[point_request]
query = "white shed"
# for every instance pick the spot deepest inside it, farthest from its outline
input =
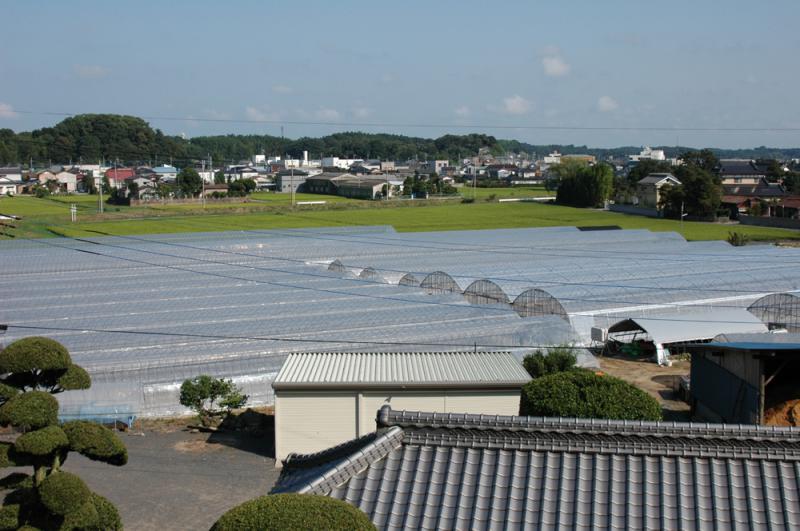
(324, 399)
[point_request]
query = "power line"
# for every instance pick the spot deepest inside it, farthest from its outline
(445, 125)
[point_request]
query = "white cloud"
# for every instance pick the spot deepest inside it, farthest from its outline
(553, 62)
(607, 104)
(7, 111)
(261, 114)
(361, 112)
(516, 105)
(282, 89)
(328, 115)
(462, 111)
(90, 71)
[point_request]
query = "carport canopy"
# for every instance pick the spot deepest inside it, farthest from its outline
(691, 325)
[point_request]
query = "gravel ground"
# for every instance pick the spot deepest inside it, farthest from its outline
(181, 480)
(657, 381)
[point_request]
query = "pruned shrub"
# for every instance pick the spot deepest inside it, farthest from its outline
(41, 442)
(74, 378)
(584, 394)
(31, 371)
(293, 511)
(558, 359)
(95, 442)
(62, 493)
(210, 397)
(30, 411)
(34, 354)
(108, 516)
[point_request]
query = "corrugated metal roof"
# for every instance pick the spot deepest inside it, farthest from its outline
(450, 471)
(407, 369)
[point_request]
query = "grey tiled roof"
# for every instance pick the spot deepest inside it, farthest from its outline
(450, 471)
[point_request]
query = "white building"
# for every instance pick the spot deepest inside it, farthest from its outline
(67, 181)
(648, 154)
(552, 158)
(336, 162)
(324, 399)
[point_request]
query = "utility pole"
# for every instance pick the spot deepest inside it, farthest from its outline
(100, 189)
(292, 184)
(203, 183)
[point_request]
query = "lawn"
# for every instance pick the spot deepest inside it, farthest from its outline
(415, 217)
(286, 199)
(503, 193)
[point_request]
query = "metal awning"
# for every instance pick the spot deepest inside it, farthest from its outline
(692, 326)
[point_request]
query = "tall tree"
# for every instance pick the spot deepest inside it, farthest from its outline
(189, 182)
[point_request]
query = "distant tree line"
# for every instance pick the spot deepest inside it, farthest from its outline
(91, 137)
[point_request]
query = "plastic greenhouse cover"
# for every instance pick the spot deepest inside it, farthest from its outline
(144, 313)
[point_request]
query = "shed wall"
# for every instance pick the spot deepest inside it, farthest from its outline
(307, 421)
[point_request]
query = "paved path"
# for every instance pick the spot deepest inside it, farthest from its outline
(180, 480)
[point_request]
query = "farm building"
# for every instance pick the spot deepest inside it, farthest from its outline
(158, 309)
(451, 471)
(742, 378)
(324, 399)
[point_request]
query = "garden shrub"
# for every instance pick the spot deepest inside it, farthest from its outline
(558, 359)
(584, 394)
(63, 493)
(95, 442)
(41, 442)
(34, 353)
(31, 410)
(280, 512)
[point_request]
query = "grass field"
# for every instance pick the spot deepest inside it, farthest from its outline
(286, 199)
(503, 193)
(46, 217)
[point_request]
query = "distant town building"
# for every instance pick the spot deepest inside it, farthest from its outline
(649, 154)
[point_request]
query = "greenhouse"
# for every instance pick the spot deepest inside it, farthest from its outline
(143, 313)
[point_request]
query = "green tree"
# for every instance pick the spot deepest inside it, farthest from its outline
(702, 193)
(583, 394)
(219, 177)
(33, 370)
(584, 186)
(211, 398)
(703, 159)
(89, 185)
(279, 512)
(189, 182)
(558, 359)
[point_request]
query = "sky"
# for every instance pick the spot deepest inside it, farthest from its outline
(601, 73)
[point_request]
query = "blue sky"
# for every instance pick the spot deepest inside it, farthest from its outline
(443, 64)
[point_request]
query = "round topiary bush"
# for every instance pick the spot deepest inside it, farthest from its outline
(584, 394)
(34, 353)
(62, 493)
(41, 442)
(108, 516)
(74, 378)
(95, 442)
(293, 511)
(30, 411)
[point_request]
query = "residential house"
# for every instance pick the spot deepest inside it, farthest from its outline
(166, 173)
(433, 166)
(117, 177)
(67, 181)
(422, 470)
(648, 189)
(10, 180)
(290, 180)
(740, 171)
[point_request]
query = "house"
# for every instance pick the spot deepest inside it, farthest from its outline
(44, 176)
(737, 378)
(324, 399)
(647, 153)
(336, 162)
(67, 181)
(166, 173)
(740, 171)
(10, 180)
(433, 166)
(117, 177)
(480, 472)
(648, 189)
